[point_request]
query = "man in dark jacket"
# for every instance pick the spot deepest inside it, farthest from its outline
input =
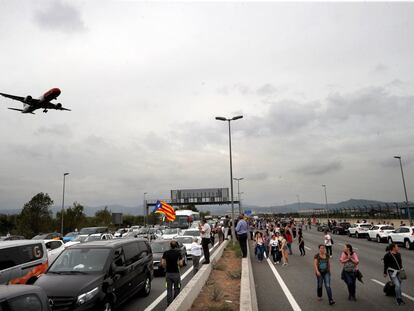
(392, 266)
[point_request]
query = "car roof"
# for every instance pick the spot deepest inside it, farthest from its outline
(115, 243)
(11, 243)
(11, 291)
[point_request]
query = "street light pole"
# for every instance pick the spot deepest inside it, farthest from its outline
(298, 202)
(146, 220)
(233, 233)
(405, 189)
(238, 192)
(326, 203)
(63, 204)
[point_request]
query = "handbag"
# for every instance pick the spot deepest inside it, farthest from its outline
(401, 272)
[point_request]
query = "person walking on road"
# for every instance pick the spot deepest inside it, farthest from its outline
(274, 248)
(393, 267)
(289, 239)
(260, 247)
(196, 251)
(172, 261)
(226, 224)
(349, 260)
(328, 243)
(284, 250)
(322, 268)
(301, 242)
(241, 231)
(205, 232)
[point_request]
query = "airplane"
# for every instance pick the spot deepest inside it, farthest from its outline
(43, 102)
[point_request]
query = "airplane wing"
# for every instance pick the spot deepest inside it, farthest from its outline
(19, 98)
(55, 106)
(15, 109)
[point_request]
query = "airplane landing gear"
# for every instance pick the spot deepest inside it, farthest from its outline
(45, 111)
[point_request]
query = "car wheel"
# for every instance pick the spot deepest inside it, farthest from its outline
(185, 260)
(407, 244)
(146, 290)
(357, 235)
(369, 238)
(389, 240)
(107, 306)
(349, 234)
(378, 239)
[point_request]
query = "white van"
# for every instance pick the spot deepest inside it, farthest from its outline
(22, 261)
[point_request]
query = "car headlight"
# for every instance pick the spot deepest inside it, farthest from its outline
(84, 298)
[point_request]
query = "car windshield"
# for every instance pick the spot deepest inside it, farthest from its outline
(192, 233)
(81, 238)
(160, 247)
(170, 231)
(80, 260)
(184, 240)
(142, 231)
(71, 234)
(366, 226)
(387, 228)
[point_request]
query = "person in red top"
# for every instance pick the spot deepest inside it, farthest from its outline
(349, 259)
(289, 240)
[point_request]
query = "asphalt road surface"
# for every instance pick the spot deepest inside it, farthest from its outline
(294, 287)
(157, 299)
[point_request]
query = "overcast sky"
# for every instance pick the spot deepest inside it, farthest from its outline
(326, 91)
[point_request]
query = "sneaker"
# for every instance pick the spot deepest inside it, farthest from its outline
(332, 302)
(277, 262)
(400, 302)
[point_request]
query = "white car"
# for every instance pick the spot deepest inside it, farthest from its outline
(54, 248)
(193, 233)
(186, 240)
(79, 239)
(402, 235)
(99, 236)
(170, 233)
(359, 229)
(121, 232)
(379, 232)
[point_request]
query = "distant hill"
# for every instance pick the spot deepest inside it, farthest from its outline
(222, 209)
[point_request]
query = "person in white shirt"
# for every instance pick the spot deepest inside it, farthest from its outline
(195, 254)
(328, 243)
(205, 231)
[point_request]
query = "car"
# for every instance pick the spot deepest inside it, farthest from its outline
(186, 240)
(152, 233)
(70, 236)
(170, 233)
(120, 232)
(47, 236)
(93, 230)
(79, 239)
(358, 229)
(22, 261)
(402, 235)
(322, 227)
(99, 236)
(193, 233)
(379, 233)
(11, 237)
(54, 248)
(341, 228)
(23, 297)
(158, 248)
(99, 275)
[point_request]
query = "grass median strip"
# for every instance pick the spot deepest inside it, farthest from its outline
(222, 290)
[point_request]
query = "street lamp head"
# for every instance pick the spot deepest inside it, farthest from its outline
(397, 157)
(237, 117)
(65, 174)
(221, 119)
(324, 186)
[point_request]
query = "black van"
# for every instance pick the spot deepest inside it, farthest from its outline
(98, 275)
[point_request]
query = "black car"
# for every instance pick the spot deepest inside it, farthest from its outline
(341, 228)
(98, 275)
(23, 297)
(323, 227)
(158, 248)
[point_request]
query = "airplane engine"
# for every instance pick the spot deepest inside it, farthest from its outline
(28, 99)
(59, 105)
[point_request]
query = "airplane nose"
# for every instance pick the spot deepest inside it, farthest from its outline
(57, 91)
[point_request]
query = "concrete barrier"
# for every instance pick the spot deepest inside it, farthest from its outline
(248, 299)
(190, 292)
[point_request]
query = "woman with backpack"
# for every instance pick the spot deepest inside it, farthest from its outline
(322, 268)
(349, 260)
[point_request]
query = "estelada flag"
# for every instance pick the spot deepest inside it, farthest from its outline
(164, 208)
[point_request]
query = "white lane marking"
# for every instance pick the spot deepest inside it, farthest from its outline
(164, 293)
(383, 284)
(308, 248)
(285, 289)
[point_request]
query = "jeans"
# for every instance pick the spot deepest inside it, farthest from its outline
(196, 263)
(243, 244)
(276, 254)
(324, 278)
(289, 245)
(397, 282)
(260, 252)
(350, 280)
(329, 250)
(205, 242)
(302, 249)
(173, 279)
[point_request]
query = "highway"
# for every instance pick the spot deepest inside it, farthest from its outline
(294, 287)
(157, 299)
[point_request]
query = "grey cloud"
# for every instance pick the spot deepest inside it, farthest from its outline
(391, 162)
(380, 68)
(60, 16)
(320, 169)
(266, 90)
(57, 129)
(260, 176)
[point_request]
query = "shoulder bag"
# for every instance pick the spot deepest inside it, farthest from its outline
(401, 272)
